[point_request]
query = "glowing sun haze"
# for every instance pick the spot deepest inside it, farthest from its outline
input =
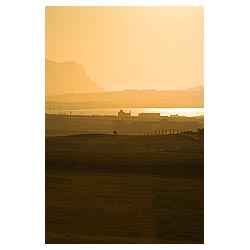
(130, 47)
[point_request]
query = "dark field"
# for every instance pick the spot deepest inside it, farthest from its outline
(124, 189)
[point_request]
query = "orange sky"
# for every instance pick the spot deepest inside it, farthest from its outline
(130, 47)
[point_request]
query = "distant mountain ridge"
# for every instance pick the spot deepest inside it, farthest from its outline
(192, 98)
(67, 77)
(67, 82)
(198, 88)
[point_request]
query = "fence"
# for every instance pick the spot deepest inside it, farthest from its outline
(174, 140)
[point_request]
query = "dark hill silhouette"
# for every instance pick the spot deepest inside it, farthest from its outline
(68, 77)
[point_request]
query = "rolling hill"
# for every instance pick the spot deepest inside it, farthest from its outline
(192, 98)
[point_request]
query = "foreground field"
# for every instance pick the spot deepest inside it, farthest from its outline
(98, 191)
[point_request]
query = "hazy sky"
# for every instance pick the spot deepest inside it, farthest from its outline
(130, 47)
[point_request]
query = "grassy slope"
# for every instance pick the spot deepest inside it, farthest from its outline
(96, 193)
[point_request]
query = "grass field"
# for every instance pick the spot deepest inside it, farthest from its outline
(122, 189)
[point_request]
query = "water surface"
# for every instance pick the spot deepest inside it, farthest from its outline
(134, 111)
